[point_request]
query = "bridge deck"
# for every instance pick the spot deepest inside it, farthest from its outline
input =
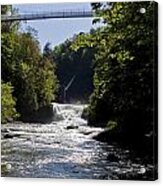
(49, 15)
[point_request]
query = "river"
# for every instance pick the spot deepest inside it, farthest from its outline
(65, 148)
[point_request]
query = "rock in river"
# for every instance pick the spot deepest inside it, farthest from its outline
(71, 127)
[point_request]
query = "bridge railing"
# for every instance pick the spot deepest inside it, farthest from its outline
(43, 15)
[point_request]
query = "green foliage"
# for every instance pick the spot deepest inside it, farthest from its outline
(111, 125)
(9, 26)
(8, 103)
(77, 64)
(47, 52)
(125, 67)
(31, 73)
(46, 79)
(7, 56)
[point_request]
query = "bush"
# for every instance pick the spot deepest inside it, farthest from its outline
(8, 103)
(111, 125)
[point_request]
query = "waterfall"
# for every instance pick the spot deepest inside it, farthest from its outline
(70, 113)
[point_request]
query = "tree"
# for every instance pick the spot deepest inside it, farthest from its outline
(47, 51)
(9, 26)
(125, 66)
(32, 75)
(8, 103)
(77, 66)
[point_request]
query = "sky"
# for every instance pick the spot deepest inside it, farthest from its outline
(56, 31)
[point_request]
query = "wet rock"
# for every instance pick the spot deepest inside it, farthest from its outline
(10, 120)
(75, 171)
(57, 142)
(108, 136)
(112, 157)
(10, 135)
(4, 168)
(4, 130)
(88, 132)
(71, 127)
(7, 133)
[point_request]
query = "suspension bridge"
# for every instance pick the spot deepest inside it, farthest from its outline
(47, 15)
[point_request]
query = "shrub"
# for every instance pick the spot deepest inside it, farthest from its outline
(111, 125)
(8, 103)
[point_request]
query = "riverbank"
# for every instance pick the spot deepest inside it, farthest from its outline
(145, 148)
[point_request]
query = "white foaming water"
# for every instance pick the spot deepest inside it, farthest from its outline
(70, 113)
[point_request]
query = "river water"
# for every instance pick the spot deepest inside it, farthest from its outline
(65, 148)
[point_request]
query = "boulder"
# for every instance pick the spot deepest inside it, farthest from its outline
(71, 127)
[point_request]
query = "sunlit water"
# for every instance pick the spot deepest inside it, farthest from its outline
(64, 149)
